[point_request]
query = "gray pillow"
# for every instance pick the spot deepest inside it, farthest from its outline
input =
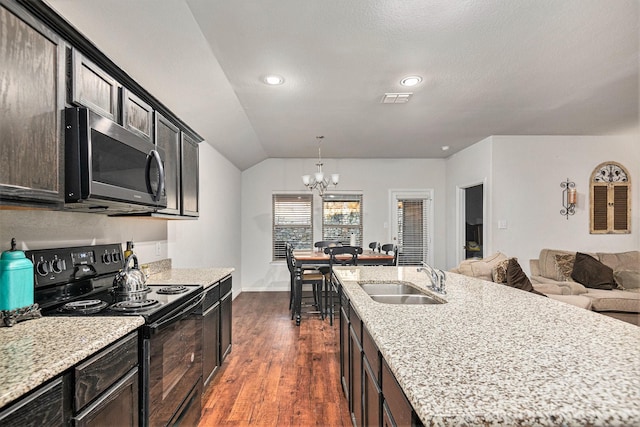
(627, 279)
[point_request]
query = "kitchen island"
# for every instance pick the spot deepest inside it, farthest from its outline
(494, 355)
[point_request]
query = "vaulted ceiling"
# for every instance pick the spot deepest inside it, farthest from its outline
(497, 67)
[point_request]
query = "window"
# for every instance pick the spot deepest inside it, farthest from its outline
(341, 216)
(412, 216)
(292, 223)
(610, 199)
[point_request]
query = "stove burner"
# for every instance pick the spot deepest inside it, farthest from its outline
(133, 305)
(84, 307)
(171, 290)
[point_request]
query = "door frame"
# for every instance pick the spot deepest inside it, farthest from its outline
(460, 218)
(426, 193)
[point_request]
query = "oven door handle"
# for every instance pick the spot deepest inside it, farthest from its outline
(179, 316)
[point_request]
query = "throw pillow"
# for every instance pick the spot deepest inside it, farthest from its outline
(499, 271)
(517, 279)
(592, 273)
(564, 265)
(627, 279)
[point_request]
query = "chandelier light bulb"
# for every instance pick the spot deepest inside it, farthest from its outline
(318, 180)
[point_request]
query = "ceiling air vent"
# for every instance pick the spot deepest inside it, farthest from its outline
(396, 98)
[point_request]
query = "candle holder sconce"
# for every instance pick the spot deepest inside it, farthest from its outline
(569, 198)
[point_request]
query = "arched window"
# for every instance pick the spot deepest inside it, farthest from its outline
(610, 199)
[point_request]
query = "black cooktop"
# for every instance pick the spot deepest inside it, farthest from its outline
(78, 281)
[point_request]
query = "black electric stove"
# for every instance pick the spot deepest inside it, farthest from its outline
(79, 281)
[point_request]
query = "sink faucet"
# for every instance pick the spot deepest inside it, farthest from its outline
(437, 277)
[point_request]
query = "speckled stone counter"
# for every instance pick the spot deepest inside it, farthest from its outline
(494, 355)
(37, 350)
(189, 276)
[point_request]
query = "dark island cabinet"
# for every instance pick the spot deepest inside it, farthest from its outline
(31, 149)
(374, 396)
(168, 138)
(189, 173)
(92, 87)
(45, 406)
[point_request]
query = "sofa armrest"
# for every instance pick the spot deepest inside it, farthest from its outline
(534, 266)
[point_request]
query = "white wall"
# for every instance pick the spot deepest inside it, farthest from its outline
(526, 193)
(466, 168)
(39, 229)
(214, 239)
(374, 178)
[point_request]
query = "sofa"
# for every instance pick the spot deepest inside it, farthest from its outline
(557, 274)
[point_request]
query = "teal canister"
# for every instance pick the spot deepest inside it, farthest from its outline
(16, 279)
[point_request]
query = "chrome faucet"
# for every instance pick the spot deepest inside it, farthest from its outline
(437, 277)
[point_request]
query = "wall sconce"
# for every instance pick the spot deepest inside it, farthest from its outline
(569, 198)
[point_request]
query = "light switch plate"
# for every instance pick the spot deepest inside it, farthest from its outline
(502, 224)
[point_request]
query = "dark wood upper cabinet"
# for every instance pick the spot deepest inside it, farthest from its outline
(168, 138)
(137, 115)
(93, 88)
(32, 83)
(189, 173)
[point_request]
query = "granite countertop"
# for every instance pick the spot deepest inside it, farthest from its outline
(189, 276)
(37, 350)
(494, 355)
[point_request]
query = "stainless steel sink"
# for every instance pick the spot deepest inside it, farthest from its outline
(396, 292)
(405, 299)
(388, 288)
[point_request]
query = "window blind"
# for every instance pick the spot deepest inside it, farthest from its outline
(413, 231)
(292, 222)
(341, 216)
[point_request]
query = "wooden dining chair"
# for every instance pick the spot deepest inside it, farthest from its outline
(336, 259)
(390, 247)
(308, 277)
(374, 245)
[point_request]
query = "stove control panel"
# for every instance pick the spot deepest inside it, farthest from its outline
(66, 265)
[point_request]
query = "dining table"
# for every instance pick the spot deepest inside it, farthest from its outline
(306, 259)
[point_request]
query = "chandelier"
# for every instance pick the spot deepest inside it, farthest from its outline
(318, 181)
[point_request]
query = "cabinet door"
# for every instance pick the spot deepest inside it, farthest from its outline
(137, 115)
(116, 407)
(93, 88)
(225, 326)
(344, 350)
(189, 173)
(399, 408)
(44, 407)
(356, 378)
(168, 138)
(32, 81)
(210, 342)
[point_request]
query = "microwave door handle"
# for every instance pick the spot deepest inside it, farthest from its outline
(154, 155)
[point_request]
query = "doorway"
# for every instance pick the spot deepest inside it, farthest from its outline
(412, 220)
(473, 206)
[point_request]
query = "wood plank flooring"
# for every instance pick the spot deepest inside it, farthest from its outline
(277, 374)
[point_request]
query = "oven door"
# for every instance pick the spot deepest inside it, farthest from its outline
(172, 364)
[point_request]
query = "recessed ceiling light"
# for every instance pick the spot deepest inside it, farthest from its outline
(411, 81)
(445, 147)
(273, 80)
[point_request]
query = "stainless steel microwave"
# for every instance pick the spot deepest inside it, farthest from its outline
(109, 169)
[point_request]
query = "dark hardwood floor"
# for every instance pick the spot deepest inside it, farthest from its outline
(277, 374)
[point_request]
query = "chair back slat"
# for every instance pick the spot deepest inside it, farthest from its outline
(333, 252)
